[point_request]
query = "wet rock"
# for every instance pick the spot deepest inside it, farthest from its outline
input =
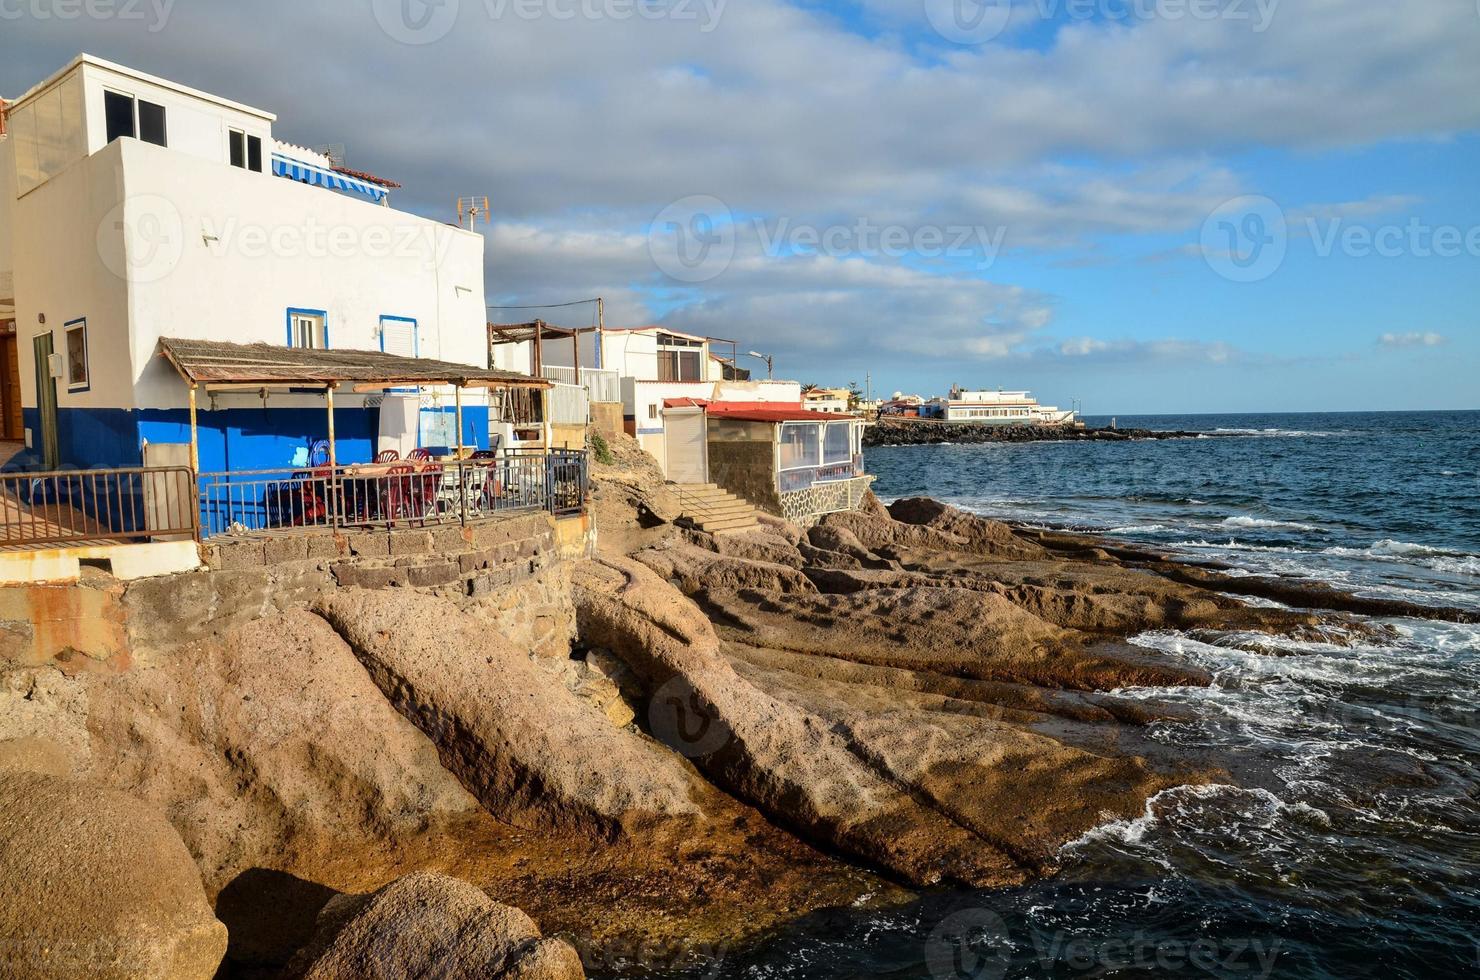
(529, 750)
(429, 925)
(98, 884)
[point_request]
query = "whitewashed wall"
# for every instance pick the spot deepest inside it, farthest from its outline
(254, 246)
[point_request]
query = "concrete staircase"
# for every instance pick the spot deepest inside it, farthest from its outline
(713, 509)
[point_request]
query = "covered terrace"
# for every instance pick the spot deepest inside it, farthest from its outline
(455, 483)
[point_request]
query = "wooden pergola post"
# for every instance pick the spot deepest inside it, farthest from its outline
(329, 400)
(194, 433)
(457, 398)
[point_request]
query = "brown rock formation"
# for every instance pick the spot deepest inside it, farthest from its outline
(429, 925)
(785, 760)
(97, 884)
(531, 752)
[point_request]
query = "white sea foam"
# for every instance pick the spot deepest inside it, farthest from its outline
(1438, 559)
(1263, 522)
(1278, 433)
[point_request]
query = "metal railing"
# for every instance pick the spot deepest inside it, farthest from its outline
(393, 495)
(801, 479)
(569, 405)
(601, 385)
(103, 505)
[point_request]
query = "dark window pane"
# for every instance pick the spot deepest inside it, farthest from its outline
(254, 153)
(151, 123)
(119, 112)
(237, 146)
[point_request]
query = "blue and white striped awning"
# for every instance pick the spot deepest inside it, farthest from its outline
(310, 173)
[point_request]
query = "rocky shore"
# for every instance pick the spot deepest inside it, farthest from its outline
(713, 737)
(916, 432)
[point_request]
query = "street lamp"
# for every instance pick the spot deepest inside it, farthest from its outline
(770, 364)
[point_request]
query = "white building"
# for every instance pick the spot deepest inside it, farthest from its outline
(995, 408)
(657, 366)
(834, 401)
(134, 208)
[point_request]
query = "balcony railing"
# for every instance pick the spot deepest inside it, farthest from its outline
(600, 385)
(393, 495)
(103, 506)
(801, 479)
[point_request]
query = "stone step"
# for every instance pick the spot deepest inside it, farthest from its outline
(707, 496)
(729, 523)
(710, 507)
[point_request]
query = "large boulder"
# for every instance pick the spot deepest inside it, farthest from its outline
(693, 569)
(97, 884)
(270, 747)
(430, 925)
(531, 751)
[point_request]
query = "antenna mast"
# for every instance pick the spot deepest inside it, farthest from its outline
(473, 208)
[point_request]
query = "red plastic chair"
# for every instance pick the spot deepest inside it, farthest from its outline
(398, 496)
(428, 483)
(389, 456)
(419, 455)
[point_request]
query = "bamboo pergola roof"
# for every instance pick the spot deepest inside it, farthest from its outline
(216, 363)
(518, 333)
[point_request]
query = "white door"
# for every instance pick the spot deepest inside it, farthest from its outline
(685, 447)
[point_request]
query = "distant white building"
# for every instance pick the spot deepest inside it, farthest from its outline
(134, 208)
(657, 366)
(994, 408)
(834, 401)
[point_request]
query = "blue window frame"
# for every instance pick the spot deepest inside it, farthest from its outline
(308, 329)
(400, 335)
(79, 372)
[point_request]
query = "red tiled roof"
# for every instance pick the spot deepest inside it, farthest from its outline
(756, 411)
(777, 415)
(368, 178)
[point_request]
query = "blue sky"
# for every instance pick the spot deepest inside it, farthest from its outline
(1048, 172)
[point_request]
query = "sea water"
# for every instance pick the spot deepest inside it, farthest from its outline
(1346, 840)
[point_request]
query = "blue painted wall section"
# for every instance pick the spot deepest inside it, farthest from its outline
(231, 439)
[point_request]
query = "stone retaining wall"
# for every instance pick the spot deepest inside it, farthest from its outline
(807, 507)
(510, 570)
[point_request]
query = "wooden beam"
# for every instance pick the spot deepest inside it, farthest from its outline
(457, 396)
(333, 453)
(194, 434)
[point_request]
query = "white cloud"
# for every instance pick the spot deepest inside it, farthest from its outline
(1398, 341)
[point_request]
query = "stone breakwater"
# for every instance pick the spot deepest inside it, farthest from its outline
(895, 432)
